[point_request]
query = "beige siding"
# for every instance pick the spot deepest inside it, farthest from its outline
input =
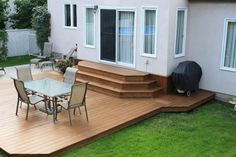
(63, 38)
(204, 43)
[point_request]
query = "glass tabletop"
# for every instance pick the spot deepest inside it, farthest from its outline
(49, 87)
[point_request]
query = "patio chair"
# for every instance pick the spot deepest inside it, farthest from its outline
(70, 75)
(2, 69)
(24, 97)
(46, 54)
(24, 73)
(77, 99)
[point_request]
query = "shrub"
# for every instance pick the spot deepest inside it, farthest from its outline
(3, 18)
(22, 17)
(233, 101)
(3, 44)
(63, 64)
(41, 24)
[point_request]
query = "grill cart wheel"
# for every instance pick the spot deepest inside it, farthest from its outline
(188, 93)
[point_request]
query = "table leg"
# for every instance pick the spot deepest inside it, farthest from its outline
(54, 101)
(56, 107)
(54, 110)
(45, 100)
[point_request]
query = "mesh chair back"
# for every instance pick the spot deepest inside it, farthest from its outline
(19, 85)
(70, 75)
(78, 93)
(24, 73)
(47, 49)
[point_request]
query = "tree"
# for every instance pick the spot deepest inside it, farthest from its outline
(3, 18)
(3, 44)
(41, 24)
(3, 33)
(22, 17)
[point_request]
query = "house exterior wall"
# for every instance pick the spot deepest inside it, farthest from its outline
(63, 38)
(172, 60)
(204, 43)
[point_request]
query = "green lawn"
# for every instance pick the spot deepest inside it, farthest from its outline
(209, 131)
(12, 61)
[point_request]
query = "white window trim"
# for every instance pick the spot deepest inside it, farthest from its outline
(85, 29)
(185, 31)
(71, 15)
(222, 62)
(121, 9)
(117, 8)
(156, 33)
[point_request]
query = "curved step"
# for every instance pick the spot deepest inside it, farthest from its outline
(115, 82)
(112, 71)
(123, 92)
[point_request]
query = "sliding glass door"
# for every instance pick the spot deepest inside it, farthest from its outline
(125, 38)
(117, 27)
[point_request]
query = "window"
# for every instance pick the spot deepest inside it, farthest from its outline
(89, 27)
(70, 15)
(229, 51)
(67, 15)
(180, 32)
(149, 32)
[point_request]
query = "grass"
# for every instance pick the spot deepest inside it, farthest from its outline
(13, 61)
(209, 131)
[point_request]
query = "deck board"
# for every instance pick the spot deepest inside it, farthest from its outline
(39, 136)
(112, 69)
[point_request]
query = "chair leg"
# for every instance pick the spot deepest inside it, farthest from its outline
(45, 104)
(52, 67)
(27, 111)
(86, 111)
(17, 106)
(80, 110)
(35, 107)
(69, 116)
(20, 104)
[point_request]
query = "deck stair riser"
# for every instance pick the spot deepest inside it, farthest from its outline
(116, 81)
(125, 94)
(114, 75)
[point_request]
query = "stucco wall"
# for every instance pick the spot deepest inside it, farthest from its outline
(172, 60)
(204, 43)
(63, 39)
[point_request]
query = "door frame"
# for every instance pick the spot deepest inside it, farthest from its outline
(117, 9)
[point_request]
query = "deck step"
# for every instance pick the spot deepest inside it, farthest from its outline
(122, 93)
(116, 81)
(112, 71)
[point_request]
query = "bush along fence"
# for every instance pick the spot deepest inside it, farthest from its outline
(3, 44)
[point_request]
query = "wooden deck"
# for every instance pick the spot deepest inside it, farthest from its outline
(38, 136)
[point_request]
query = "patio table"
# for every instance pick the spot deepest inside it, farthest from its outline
(50, 89)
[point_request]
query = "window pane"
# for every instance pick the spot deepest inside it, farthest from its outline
(89, 26)
(230, 48)
(67, 15)
(126, 37)
(180, 32)
(149, 31)
(74, 15)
